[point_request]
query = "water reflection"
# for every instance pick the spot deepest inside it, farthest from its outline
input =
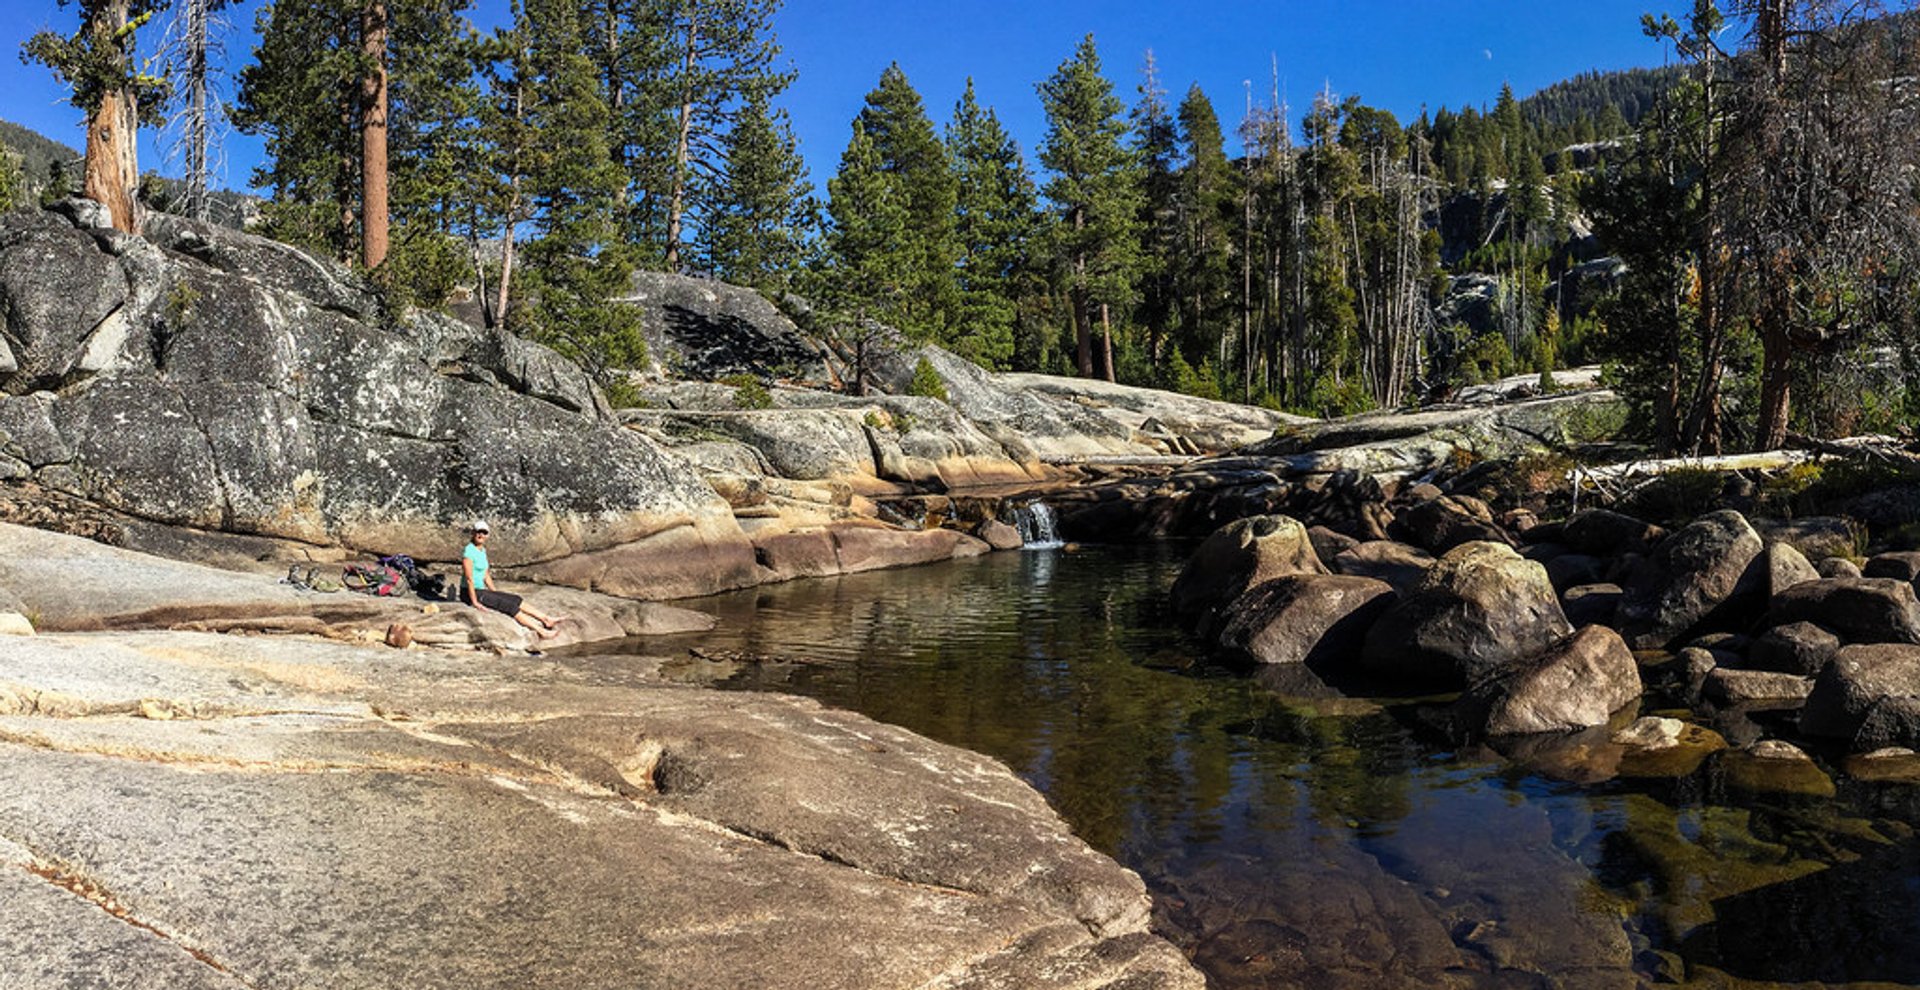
(1295, 836)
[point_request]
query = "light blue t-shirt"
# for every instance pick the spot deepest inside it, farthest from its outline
(479, 558)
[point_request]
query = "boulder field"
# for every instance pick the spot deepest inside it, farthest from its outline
(1563, 627)
(186, 809)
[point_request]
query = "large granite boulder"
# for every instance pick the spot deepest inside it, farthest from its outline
(1481, 610)
(1241, 555)
(1859, 681)
(1695, 571)
(1859, 610)
(1305, 618)
(704, 328)
(1440, 524)
(251, 390)
(1577, 683)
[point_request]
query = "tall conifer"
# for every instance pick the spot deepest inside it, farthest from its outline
(1156, 142)
(994, 227)
(1095, 194)
(916, 162)
(868, 276)
(757, 213)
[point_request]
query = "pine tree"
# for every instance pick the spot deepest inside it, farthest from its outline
(1156, 143)
(758, 214)
(1207, 221)
(13, 182)
(868, 276)
(334, 116)
(1095, 194)
(97, 62)
(994, 227)
(1329, 180)
(713, 53)
(577, 262)
(916, 162)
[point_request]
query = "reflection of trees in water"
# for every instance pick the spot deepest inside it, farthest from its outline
(1232, 798)
(1773, 888)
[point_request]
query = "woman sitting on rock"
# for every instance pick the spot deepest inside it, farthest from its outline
(476, 586)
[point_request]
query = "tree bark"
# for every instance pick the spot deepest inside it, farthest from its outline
(1776, 377)
(197, 125)
(113, 166)
(677, 202)
(1106, 343)
(373, 135)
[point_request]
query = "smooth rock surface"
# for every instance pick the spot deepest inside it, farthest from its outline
(1576, 684)
(269, 806)
(1481, 609)
(1859, 610)
(1305, 618)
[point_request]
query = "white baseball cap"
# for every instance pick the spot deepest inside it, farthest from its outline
(479, 526)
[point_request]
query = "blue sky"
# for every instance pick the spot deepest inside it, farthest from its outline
(1396, 54)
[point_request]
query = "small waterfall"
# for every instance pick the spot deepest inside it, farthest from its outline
(1036, 525)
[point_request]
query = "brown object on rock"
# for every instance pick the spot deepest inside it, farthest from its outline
(399, 636)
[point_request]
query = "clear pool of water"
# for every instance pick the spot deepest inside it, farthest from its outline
(1295, 836)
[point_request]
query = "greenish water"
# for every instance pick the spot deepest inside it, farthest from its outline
(1294, 836)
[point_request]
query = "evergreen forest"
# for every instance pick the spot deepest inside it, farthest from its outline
(1734, 237)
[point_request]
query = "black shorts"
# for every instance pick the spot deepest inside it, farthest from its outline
(499, 601)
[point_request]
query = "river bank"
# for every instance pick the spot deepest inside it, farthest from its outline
(191, 809)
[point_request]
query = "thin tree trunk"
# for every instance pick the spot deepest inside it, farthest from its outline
(506, 258)
(1776, 373)
(197, 168)
(373, 136)
(1106, 343)
(682, 149)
